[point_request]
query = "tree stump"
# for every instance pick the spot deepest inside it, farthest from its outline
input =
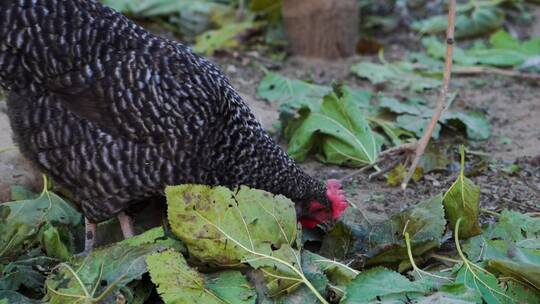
(321, 28)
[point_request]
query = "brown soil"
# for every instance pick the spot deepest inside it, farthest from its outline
(512, 107)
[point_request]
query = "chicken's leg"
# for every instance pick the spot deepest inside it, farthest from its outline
(89, 236)
(126, 224)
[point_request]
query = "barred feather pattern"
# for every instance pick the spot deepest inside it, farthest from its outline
(115, 113)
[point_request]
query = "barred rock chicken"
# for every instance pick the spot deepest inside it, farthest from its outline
(115, 113)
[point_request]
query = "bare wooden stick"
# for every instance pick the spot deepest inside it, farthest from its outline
(423, 142)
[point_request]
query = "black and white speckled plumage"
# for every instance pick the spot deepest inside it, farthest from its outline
(115, 113)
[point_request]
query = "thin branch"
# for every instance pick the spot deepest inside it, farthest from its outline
(423, 142)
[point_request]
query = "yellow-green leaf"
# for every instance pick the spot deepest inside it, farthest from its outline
(462, 201)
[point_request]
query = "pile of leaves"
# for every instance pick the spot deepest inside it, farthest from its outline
(346, 126)
(245, 246)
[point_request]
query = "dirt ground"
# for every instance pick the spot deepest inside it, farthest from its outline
(512, 106)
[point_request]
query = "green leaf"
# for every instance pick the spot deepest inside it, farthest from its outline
(270, 8)
(470, 21)
(412, 107)
(400, 74)
(338, 132)
(295, 93)
(476, 123)
(516, 227)
(225, 38)
(107, 271)
(225, 227)
(28, 271)
(462, 201)
(380, 283)
(189, 18)
(521, 293)
(12, 297)
(479, 248)
(21, 222)
(398, 174)
(417, 125)
(504, 51)
(483, 282)
(178, 283)
(53, 244)
(21, 193)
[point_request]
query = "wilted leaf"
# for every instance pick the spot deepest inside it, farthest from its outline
(227, 37)
(245, 226)
(524, 272)
(379, 284)
(12, 297)
(106, 271)
(179, 283)
(462, 201)
(28, 271)
(21, 222)
(398, 174)
(521, 293)
(452, 294)
(338, 133)
(381, 241)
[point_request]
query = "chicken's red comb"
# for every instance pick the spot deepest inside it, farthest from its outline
(337, 197)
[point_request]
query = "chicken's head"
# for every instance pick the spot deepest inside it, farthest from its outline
(319, 213)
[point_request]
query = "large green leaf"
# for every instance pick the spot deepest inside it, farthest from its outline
(179, 283)
(106, 272)
(227, 228)
(22, 222)
(338, 133)
(380, 283)
(462, 201)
